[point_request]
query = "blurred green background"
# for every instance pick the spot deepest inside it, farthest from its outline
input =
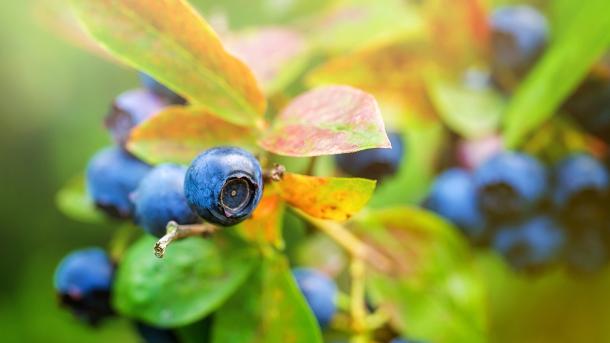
(53, 97)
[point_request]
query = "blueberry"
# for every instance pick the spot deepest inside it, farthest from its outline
(510, 184)
(319, 291)
(589, 105)
(519, 35)
(531, 244)
(130, 109)
(160, 198)
(581, 185)
(586, 252)
(453, 196)
(161, 90)
(579, 173)
(151, 334)
(112, 174)
(373, 163)
(83, 281)
(224, 185)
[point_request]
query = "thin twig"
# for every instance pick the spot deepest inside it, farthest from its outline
(357, 303)
(276, 173)
(354, 246)
(176, 232)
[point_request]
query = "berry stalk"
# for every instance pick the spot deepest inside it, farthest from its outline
(176, 232)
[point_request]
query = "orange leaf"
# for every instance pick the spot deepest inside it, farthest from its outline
(335, 198)
(170, 41)
(178, 134)
(266, 221)
(325, 121)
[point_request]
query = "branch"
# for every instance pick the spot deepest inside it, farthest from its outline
(176, 232)
(354, 246)
(276, 173)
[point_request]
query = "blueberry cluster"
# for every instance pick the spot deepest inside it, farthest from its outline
(533, 216)
(519, 36)
(223, 185)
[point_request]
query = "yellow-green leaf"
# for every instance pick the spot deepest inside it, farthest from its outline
(326, 121)
(178, 134)
(334, 198)
(170, 41)
(566, 62)
(432, 276)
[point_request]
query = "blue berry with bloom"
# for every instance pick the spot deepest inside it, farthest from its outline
(576, 174)
(373, 163)
(320, 292)
(83, 280)
(160, 199)
(112, 175)
(160, 89)
(130, 109)
(224, 185)
(454, 197)
(510, 184)
(519, 35)
(531, 244)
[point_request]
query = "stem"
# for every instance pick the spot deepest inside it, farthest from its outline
(358, 304)
(276, 173)
(311, 166)
(176, 232)
(354, 246)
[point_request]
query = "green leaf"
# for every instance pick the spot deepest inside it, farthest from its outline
(170, 41)
(336, 198)
(432, 276)
(269, 308)
(470, 112)
(194, 279)
(178, 134)
(325, 121)
(566, 62)
(73, 201)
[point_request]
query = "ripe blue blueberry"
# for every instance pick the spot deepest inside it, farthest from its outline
(373, 163)
(161, 90)
(519, 34)
(112, 174)
(510, 184)
(83, 280)
(319, 291)
(151, 334)
(589, 105)
(576, 174)
(130, 109)
(531, 244)
(160, 198)
(586, 251)
(224, 185)
(454, 197)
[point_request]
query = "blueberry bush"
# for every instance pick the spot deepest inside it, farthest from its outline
(359, 171)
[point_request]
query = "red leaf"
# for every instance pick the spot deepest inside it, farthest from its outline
(325, 121)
